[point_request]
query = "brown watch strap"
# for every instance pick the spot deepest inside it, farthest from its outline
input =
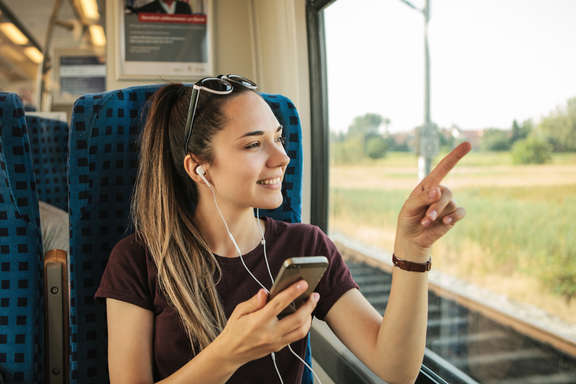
(411, 266)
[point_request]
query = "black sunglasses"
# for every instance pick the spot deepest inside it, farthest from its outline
(221, 85)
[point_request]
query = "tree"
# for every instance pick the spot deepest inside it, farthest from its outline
(376, 147)
(526, 128)
(559, 127)
(337, 136)
(366, 128)
(347, 151)
(386, 121)
(365, 125)
(520, 131)
(531, 151)
(495, 139)
(515, 132)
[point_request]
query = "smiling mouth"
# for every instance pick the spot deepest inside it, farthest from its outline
(276, 180)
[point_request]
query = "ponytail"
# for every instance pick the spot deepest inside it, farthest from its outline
(162, 209)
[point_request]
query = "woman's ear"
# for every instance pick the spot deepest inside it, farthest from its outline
(190, 164)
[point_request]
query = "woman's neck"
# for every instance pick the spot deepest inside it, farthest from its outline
(242, 224)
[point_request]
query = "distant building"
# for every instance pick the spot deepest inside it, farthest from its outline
(403, 141)
(407, 140)
(474, 137)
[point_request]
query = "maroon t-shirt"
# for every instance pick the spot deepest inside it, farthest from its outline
(131, 276)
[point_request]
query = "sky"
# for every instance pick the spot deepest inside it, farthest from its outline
(492, 61)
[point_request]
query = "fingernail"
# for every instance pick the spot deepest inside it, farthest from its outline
(315, 297)
(300, 285)
(433, 215)
(425, 221)
(432, 193)
(447, 220)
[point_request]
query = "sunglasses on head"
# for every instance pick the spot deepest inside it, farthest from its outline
(221, 85)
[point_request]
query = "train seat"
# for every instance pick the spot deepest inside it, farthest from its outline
(49, 146)
(102, 170)
(21, 314)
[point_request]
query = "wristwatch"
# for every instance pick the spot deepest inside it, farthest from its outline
(411, 266)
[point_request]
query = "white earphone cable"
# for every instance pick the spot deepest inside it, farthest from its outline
(271, 278)
(230, 234)
(263, 243)
(254, 277)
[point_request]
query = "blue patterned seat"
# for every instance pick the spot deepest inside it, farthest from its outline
(103, 163)
(49, 145)
(21, 279)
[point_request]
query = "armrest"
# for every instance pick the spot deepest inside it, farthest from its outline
(345, 368)
(56, 305)
(341, 365)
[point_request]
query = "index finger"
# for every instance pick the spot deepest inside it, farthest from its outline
(446, 164)
(285, 297)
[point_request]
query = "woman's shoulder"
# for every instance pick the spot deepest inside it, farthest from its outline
(130, 243)
(130, 250)
(297, 232)
(279, 227)
(129, 274)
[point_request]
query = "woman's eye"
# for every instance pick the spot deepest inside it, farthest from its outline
(279, 139)
(253, 145)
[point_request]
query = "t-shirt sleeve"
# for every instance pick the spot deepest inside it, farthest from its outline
(125, 277)
(337, 279)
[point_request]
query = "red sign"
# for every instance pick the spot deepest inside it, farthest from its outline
(164, 18)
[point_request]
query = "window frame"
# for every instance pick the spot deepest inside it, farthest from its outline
(320, 135)
(320, 183)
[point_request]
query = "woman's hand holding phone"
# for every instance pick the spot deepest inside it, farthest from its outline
(254, 330)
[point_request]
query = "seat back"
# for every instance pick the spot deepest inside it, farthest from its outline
(21, 281)
(102, 171)
(49, 146)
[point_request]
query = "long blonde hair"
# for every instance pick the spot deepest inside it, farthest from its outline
(163, 205)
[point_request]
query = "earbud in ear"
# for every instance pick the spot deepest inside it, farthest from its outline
(201, 172)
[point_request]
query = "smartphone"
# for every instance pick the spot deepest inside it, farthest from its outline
(309, 268)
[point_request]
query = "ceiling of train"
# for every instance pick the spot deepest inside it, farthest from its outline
(34, 15)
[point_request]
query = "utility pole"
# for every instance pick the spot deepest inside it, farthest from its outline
(427, 144)
(427, 137)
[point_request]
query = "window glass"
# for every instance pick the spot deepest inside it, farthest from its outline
(502, 78)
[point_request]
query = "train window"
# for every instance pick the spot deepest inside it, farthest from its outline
(502, 298)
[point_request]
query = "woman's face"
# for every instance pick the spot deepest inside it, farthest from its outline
(249, 158)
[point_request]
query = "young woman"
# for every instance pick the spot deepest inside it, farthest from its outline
(182, 302)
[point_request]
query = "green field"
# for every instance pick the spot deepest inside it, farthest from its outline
(526, 229)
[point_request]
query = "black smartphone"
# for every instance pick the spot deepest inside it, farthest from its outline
(309, 268)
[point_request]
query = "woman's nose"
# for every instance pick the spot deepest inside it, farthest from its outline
(278, 157)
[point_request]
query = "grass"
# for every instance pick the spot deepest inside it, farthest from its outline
(525, 230)
(516, 224)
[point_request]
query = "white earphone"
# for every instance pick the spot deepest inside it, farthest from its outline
(201, 172)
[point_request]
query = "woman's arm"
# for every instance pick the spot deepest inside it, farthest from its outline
(393, 347)
(130, 357)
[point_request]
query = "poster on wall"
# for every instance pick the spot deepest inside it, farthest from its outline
(164, 39)
(82, 74)
(77, 71)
